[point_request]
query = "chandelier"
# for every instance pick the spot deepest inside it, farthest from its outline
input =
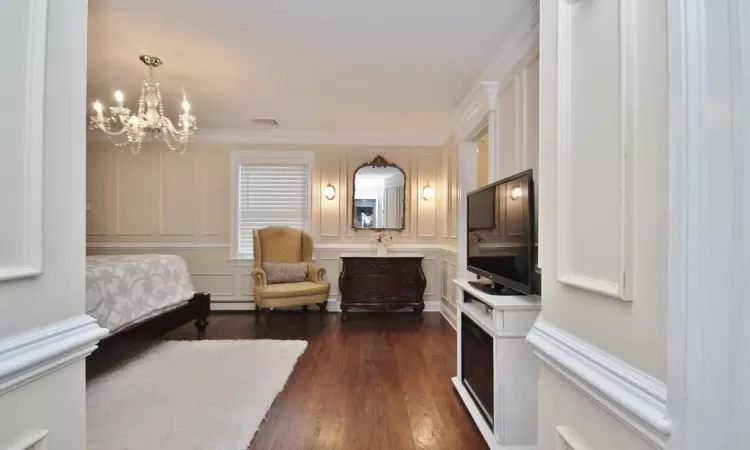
(149, 123)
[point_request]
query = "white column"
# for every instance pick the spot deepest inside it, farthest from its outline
(493, 129)
(709, 254)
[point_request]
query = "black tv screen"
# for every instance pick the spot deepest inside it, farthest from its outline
(501, 233)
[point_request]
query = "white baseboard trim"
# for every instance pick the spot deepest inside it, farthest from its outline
(26, 356)
(158, 245)
(449, 316)
(226, 245)
(429, 306)
(232, 306)
(633, 397)
(333, 306)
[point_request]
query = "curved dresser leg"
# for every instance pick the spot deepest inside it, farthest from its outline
(344, 312)
(418, 313)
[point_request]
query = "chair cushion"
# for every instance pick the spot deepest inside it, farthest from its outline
(304, 288)
(285, 272)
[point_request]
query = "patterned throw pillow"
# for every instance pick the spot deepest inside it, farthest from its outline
(285, 272)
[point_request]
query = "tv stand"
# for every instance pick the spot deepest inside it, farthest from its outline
(494, 288)
(507, 319)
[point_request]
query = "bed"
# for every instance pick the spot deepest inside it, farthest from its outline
(124, 291)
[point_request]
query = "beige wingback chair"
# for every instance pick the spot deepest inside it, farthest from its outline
(286, 245)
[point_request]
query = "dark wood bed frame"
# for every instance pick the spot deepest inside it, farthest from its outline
(198, 308)
(119, 347)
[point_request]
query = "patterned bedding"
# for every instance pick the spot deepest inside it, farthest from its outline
(125, 289)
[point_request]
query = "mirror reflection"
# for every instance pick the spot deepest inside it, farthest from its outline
(378, 197)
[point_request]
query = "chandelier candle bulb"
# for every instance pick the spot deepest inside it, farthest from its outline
(119, 98)
(98, 108)
(186, 105)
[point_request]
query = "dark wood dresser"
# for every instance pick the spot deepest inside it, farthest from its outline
(382, 283)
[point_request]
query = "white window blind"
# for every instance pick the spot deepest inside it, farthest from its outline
(270, 194)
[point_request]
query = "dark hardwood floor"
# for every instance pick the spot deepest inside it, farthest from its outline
(376, 382)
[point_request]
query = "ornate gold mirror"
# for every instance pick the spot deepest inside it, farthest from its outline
(378, 197)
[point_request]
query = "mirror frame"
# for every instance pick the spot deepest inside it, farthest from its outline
(380, 162)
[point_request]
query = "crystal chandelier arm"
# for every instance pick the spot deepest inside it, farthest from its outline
(176, 133)
(100, 126)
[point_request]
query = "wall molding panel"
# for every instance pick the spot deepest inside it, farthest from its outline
(635, 398)
(138, 187)
(26, 356)
(188, 188)
(203, 280)
(330, 210)
(23, 153)
(426, 210)
(619, 286)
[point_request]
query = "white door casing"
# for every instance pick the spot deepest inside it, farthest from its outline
(44, 332)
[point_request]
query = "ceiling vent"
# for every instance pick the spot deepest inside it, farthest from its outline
(266, 122)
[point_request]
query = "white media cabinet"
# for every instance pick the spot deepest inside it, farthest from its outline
(508, 319)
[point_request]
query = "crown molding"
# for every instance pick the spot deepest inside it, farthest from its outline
(307, 137)
(521, 38)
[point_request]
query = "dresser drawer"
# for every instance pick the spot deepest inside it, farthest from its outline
(382, 283)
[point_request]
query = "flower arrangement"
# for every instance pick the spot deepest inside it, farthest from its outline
(476, 237)
(381, 237)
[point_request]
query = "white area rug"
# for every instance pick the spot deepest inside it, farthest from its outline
(182, 395)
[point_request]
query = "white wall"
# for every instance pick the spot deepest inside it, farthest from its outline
(54, 399)
(603, 222)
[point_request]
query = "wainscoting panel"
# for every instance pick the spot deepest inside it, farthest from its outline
(430, 266)
(218, 284)
(134, 191)
(333, 268)
(330, 210)
(245, 287)
(444, 279)
(177, 211)
(213, 173)
(157, 196)
(447, 289)
(454, 194)
(595, 160)
(426, 212)
(508, 105)
(97, 191)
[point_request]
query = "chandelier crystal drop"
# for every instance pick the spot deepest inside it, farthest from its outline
(149, 123)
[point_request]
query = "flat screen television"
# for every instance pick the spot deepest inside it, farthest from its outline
(501, 232)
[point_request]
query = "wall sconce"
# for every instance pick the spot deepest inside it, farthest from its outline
(329, 192)
(516, 192)
(428, 192)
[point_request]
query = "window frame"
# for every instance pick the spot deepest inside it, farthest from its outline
(289, 157)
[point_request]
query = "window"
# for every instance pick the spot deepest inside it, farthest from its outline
(270, 188)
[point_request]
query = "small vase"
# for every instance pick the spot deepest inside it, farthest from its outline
(382, 249)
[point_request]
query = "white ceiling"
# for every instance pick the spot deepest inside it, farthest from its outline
(329, 65)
